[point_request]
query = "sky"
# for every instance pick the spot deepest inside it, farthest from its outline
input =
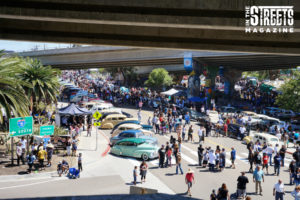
(19, 46)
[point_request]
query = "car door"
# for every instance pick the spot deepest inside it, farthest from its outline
(129, 149)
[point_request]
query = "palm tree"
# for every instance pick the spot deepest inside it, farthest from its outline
(44, 85)
(13, 101)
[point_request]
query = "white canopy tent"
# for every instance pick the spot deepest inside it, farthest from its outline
(170, 92)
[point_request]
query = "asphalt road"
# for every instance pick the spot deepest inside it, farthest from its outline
(105, 175)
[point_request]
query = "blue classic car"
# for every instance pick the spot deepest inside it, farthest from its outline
(132, 134)
(135, 147)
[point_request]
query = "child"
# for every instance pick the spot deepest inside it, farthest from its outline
(59, 168)
(213, 195)
(134, 175)
(80, 162)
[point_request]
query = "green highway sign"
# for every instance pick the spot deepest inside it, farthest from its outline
(20, 126)
(46, 130)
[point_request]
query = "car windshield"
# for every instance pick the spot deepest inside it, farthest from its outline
(140, 143)
(274, 140)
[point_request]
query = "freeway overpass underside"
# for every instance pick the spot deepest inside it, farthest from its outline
(104, 57)
(181, 24)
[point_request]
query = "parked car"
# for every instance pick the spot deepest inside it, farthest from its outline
(285, 114)
(272, 110)
(135, 147)
(261, 138)
(213, 116)
(195, 116)
(125, 127)
(101, 106)
(234, 130)
(111, 120)
(295, 125)
(133, 121)
(132, 134)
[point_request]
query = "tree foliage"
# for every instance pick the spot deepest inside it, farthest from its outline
(13, 100)
(263, 74)
(159, 78)
(290, 97)
(42, 80)
(129, 74)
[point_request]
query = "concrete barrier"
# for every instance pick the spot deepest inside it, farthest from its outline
(141, 190)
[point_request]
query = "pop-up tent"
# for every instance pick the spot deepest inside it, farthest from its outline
(170, 92)
(73, 109)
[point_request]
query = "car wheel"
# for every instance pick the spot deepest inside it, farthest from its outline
(145, 156)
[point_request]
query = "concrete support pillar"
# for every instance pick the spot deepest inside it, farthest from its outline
(231, 77)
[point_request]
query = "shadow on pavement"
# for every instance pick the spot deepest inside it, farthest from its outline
(116, 197)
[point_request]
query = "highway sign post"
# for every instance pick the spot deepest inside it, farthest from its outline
(19, 126)
(46, 130)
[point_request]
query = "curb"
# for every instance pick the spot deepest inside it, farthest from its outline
(108, 146)
(27, 176)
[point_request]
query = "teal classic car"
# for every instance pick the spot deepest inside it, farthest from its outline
(135, 147)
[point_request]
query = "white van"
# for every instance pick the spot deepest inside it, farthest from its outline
(264, 137)
(213, 116)
(101, 106)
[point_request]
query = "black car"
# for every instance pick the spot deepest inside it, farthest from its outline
(234, 131)
(195, 116)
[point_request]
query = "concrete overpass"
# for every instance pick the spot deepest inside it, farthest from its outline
(104, 56)
(181, 24)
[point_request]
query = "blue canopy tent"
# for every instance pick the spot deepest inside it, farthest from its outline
(73, 109)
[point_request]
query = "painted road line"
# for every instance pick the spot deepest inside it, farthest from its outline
(156, 161)
(152, 181)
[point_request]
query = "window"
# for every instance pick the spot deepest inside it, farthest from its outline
(121, 118)
(114, 118)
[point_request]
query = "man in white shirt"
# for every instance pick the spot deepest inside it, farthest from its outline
(19, 153)
(278, 190)
(270, 151)
(242, 131)
(200, 134)
(211, 160)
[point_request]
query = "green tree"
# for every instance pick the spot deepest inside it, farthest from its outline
(159, 78)
(263, 74)
(129, 74)
(43, 83)
(290, 97)
(13, 100)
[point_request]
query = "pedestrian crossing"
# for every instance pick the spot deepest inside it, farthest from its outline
(190, 156)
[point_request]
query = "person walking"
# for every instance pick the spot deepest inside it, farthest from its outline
(258, 177)
(143, 171)
(251, 159)
(296, 193)
(200, 134)
(41, 155)
(232, 157)
(296, 156)
(211, 161)
(223, 193)
(297, 177)
(190, 134)
(189, 180)
(222, 159)
(134, 175)
(282, 152)
(89, 130)
(278, 190)
(292, 170)
(19, 152)
(265, 162)
(183, 132)
(200, 154)
(178, 163)
(241, 186)
(161, 156)
(270, 151)
(80, 162)
(68, 146)
(277, 162)
(30, 160)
